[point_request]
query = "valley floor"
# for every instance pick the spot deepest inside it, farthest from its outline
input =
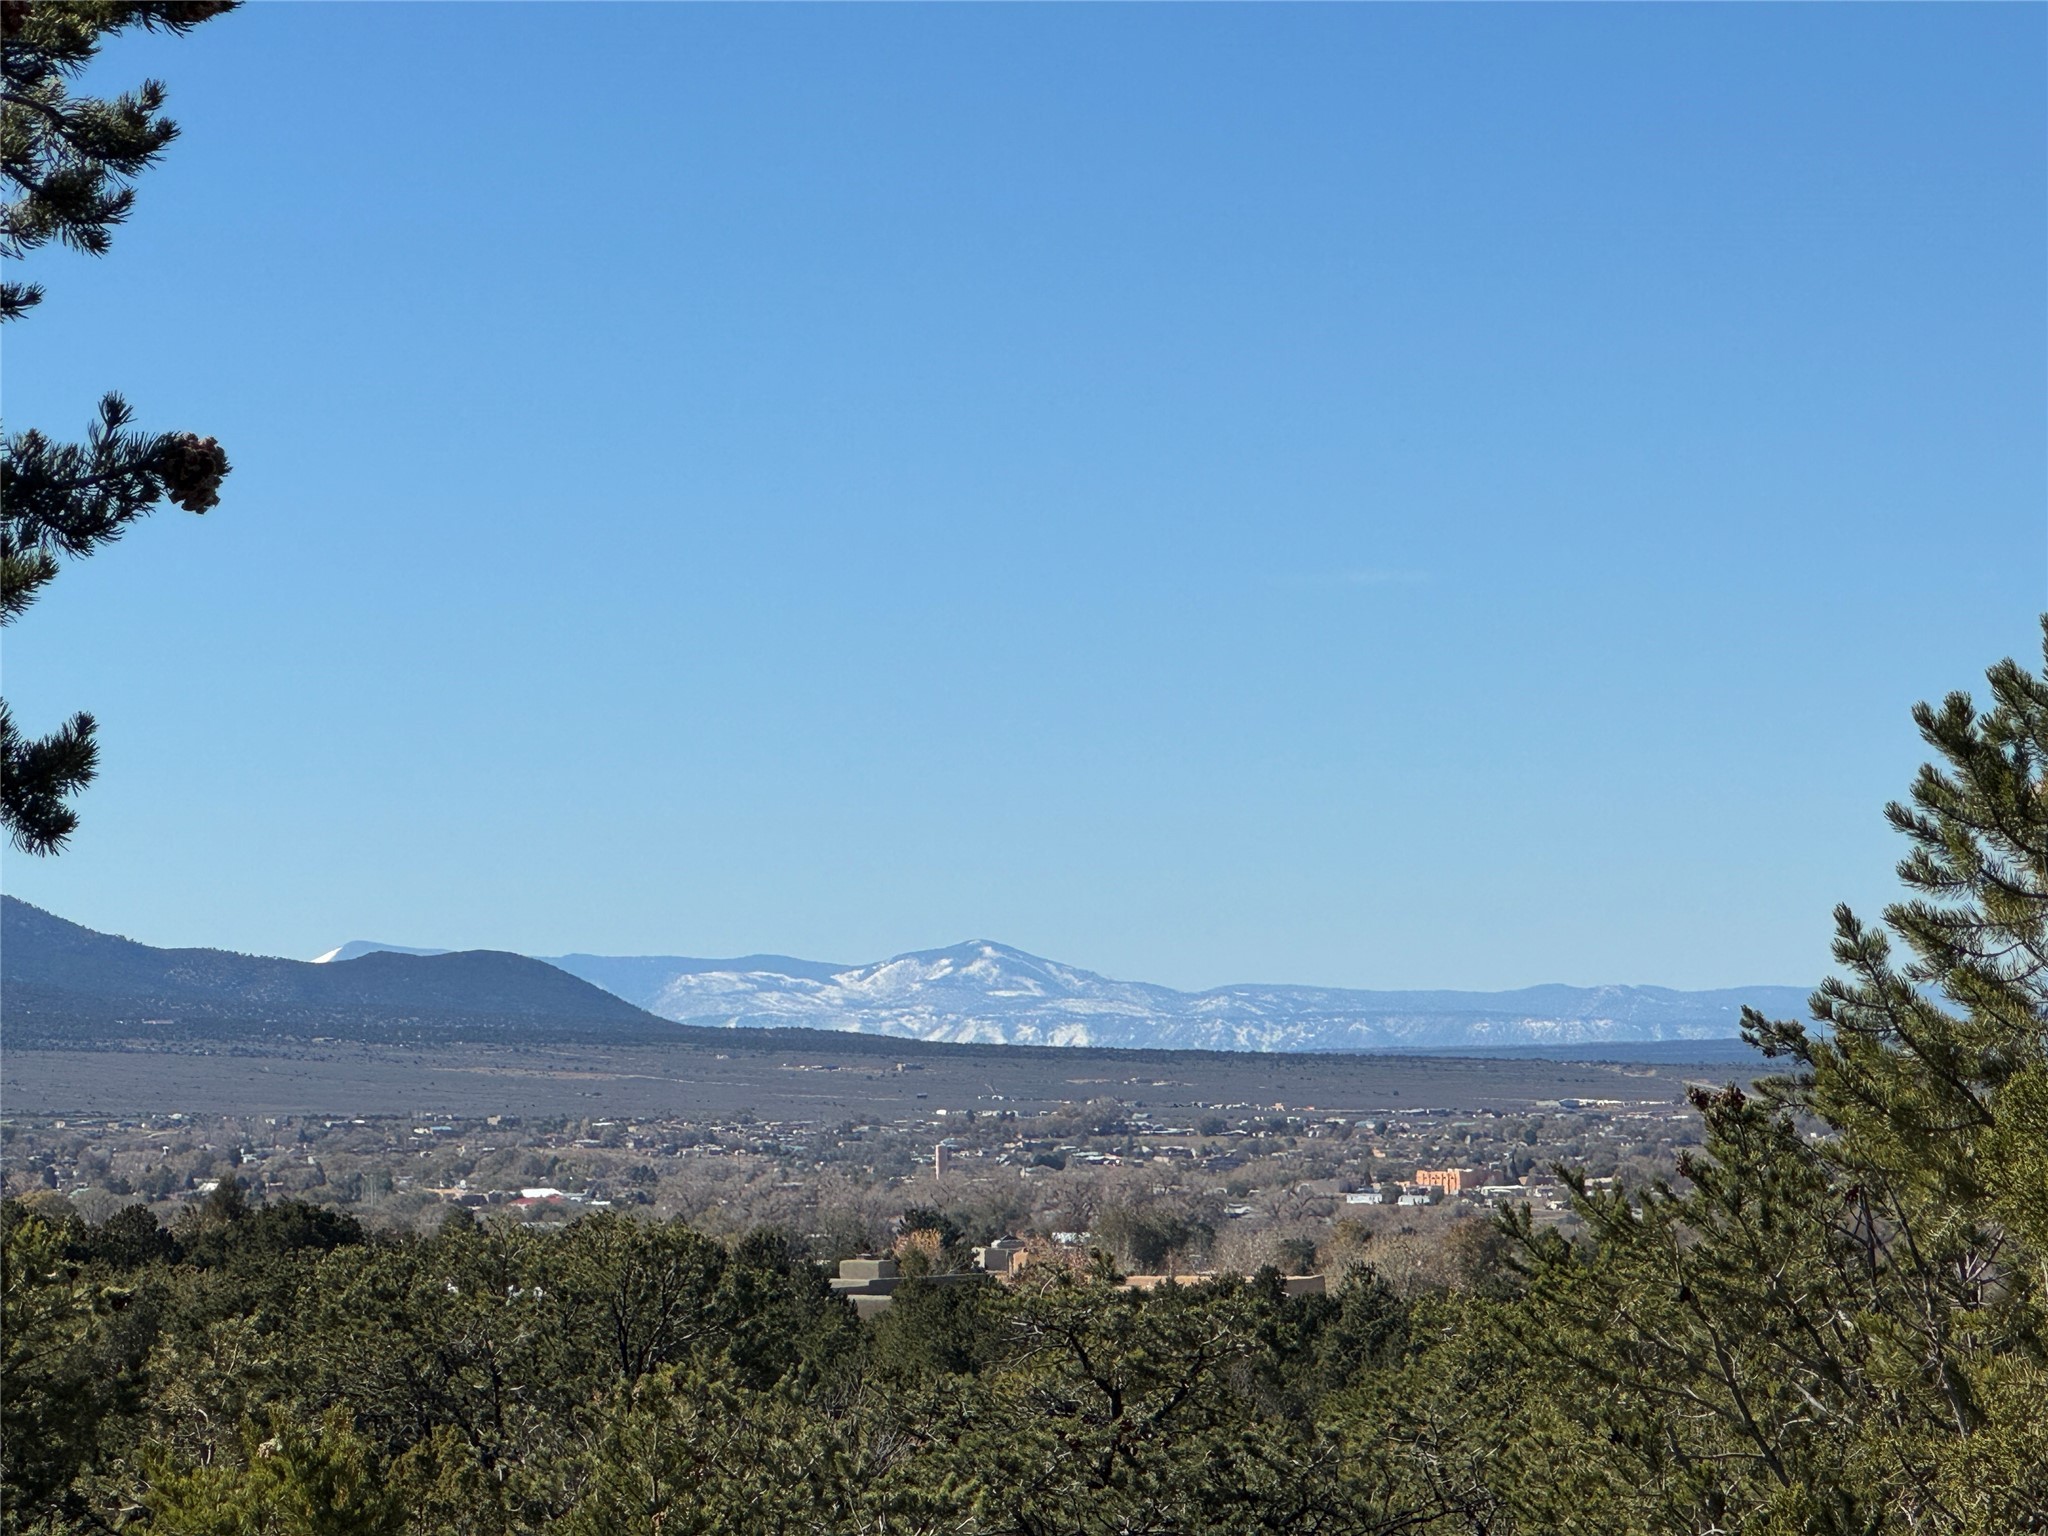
(348, 1079)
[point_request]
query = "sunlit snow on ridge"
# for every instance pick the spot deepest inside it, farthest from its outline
(989, 993)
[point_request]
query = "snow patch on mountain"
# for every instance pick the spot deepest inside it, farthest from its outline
(986, 992)
(355, 949)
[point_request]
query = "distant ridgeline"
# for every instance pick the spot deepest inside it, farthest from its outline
(983, 992)
(63, 985)
(68, 985)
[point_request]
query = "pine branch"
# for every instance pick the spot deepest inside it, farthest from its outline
(37, 775)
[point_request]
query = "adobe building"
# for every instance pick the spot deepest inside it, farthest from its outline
(870, 1283)
(1002, 1258)
(1451, 1181)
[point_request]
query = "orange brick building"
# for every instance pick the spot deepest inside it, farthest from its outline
(1449, 1180)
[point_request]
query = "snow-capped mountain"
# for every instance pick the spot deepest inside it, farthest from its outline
(986, 992)
(974, 992)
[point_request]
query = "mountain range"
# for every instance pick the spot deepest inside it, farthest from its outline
(982, 992)
(64, 981)
(65, 984)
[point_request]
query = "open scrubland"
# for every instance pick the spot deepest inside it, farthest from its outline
(820, 1077)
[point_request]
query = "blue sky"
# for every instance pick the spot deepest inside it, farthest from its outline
(1383, 496)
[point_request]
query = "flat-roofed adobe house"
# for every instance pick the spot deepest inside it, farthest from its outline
(1450, 1180)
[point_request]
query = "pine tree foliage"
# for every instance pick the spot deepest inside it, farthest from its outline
(1841, 1326)
(69, 163)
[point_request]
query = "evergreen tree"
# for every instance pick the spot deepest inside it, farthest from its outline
(1842, 1325)
(297, 1480)
(69, 163)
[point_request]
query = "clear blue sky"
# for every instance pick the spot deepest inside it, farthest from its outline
(1371, 495)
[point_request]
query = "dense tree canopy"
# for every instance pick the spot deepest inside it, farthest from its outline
(69, 163)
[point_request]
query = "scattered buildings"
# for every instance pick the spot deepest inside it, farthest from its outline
(1247, 1183)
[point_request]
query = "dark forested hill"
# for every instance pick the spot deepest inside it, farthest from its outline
(60, 981)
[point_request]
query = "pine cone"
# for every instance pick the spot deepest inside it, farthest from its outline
(191, 469)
